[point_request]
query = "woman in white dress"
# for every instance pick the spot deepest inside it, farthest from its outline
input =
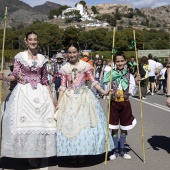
(28, 127)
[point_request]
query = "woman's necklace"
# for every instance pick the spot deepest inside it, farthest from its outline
(33, 56)
(74, 72)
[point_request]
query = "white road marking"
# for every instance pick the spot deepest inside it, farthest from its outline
(158, 106)
(161, 106)
(44, 168)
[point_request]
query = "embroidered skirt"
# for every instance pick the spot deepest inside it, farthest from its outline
(28, 127)
(81, 125)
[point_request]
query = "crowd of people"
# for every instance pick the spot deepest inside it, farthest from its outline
(71, 122)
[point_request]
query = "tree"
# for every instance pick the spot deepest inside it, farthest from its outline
(72, 16)
(129, 15)
(108, 18)
(83, 3)
(57, 12)
(117, 16)
(93, 8)
(70, 34)
(139, 13)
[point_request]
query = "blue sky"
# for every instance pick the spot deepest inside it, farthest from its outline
(134, 3)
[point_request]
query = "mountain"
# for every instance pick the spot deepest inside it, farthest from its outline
(23, 17)
(13, 5)
(45, 8)
(144, 18)
(20, 13)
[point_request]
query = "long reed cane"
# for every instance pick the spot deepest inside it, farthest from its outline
(2, 67)
(141, 111)
(108, 118)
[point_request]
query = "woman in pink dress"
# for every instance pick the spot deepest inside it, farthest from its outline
(81, 123)
(28, 127)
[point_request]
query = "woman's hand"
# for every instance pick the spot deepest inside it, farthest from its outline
(138, 77)
(2, 76)
(56, 108)
(54, 102)
(109, 91)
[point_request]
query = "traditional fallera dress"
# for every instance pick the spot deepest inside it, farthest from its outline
(28, 127)
(81, 123)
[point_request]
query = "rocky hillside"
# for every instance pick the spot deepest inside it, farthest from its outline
(147, 18)
(112, 8)
(21, 14)
(160, 14)
(13, 5)
(45, 8)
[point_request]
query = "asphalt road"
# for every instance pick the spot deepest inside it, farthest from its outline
(156, 118)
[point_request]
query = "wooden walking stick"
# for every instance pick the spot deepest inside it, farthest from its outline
(108, 118)
(141, 111)
(2, 65)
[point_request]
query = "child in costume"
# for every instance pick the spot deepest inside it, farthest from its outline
(81, 123)
(123, 83)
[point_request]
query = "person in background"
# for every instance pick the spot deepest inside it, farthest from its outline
(57, 76)
(144, 70)
(168, 85)
(49, 70)
(153, 67)
(12, 84)
(96, 58)
(105, 70)
(98, 77)
(87, 59)
(66, 58)
(159, 67)
(132, 66)
(162, 79)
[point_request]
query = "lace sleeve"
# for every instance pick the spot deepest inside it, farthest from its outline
(44, 78)
(17, 66)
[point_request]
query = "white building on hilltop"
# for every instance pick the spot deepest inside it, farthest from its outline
(79, 7)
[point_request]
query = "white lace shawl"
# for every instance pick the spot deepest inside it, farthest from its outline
(81, 66)
(22, 57)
